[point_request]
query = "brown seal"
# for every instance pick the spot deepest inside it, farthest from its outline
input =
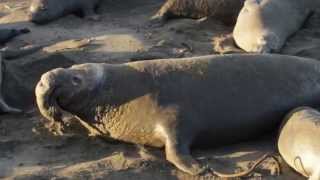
(222, 10)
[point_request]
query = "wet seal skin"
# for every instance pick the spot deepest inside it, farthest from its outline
(222, 10)
(181, 103)
(45, 11)
(8, 34)
(263, 26)
(298, 141)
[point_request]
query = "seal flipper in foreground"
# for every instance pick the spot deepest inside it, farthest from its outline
(298, 141)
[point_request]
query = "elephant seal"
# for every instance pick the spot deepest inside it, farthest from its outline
(223, 10)
(8, 34)
(4, 107)
(298, 141)
(263, 26)
(181, 103)
(12, 54)
(44, 11)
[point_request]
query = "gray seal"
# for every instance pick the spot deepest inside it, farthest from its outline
(7, 34)
(4, 107)
(44, 11)
(181, 103)
(298, 141)
(222, 10)
(10, 55)
(263, 26)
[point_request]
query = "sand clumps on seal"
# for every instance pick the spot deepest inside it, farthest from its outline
(222, 10)
(44, 11)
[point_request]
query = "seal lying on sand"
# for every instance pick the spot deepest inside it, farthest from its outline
(11, 54)
(8, 34)
(223, 10)
(298, 141)
(179, 103)
(44, 11)
(4, 107)
(264, 25)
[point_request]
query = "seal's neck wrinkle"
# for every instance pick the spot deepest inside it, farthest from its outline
(125, 105)
(120, 85)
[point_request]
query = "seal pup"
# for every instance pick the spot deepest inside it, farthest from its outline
(44, 11)
(263, 26)
(181, 103)
(298, 141)
(222, 10)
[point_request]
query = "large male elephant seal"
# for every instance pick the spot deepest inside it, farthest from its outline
(44, 11)
(298, 141)
(179, 103)
(8, 34)
(263, 26)
(223, 10)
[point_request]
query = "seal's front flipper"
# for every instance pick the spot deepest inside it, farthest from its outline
(4, 107)
(162, 15)
(225, 45)
(158, 20)
(182, 159)
(178, 152)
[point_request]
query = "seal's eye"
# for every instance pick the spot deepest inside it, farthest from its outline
(76, 81)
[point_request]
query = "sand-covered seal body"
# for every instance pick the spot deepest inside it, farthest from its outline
(263, 26)
(222, 10)
(298, 141)
(179, 103)
(44, 11)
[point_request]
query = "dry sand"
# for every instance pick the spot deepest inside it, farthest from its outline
(27, 151)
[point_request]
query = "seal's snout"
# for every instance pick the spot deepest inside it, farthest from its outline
(47, 92)
(50, 80)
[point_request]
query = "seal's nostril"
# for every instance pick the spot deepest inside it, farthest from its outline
(40, 84)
